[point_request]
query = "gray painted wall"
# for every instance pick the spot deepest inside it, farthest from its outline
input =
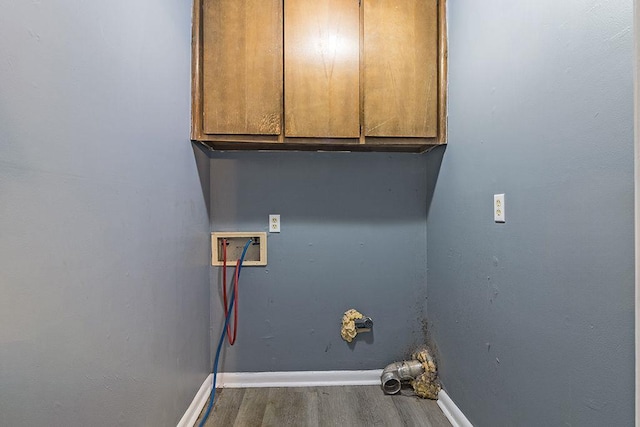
(353, 235)
(533, 319)
(104, 276)
(636, 32)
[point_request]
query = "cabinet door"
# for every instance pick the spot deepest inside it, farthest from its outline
(400, 68)
(321, 66)
(242, 67)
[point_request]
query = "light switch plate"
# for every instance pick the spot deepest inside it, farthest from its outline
(498, 208)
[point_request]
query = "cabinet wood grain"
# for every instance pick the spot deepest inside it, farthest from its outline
(400, 68)
(443, 55)
(321, 63)
(242, 67)
(339, 75)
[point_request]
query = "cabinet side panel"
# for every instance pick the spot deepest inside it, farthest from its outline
(400, 68)
(242, 66)
(322, 68)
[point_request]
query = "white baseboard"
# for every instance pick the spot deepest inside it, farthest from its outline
(304, 379)
(275, 379)
(298, 378)
(193, 411)
(451, 411)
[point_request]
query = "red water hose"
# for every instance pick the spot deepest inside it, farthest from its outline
(231, 337)
(235, 307)
(224, 281)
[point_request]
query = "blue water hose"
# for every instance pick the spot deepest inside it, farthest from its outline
(222, 336)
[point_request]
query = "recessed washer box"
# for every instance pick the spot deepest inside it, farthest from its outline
(256, 253)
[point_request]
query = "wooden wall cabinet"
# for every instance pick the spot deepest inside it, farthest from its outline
(347, 75)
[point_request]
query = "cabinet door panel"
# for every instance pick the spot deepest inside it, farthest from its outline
(242, 66)
(321, 84)
(400, 68)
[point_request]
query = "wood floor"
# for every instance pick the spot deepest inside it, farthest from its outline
(322, 406)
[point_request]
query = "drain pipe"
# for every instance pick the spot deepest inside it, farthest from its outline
(395, 373)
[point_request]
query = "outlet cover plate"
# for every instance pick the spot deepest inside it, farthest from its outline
(274, 223)
(498, 208)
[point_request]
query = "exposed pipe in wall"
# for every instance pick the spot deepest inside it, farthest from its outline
(395, 373)
(421, 372)
(353, 323)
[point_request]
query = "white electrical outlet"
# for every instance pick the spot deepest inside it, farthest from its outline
(498, 208)
(274, 223)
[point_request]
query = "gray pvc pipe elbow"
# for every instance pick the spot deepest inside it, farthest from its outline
(395, 373)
